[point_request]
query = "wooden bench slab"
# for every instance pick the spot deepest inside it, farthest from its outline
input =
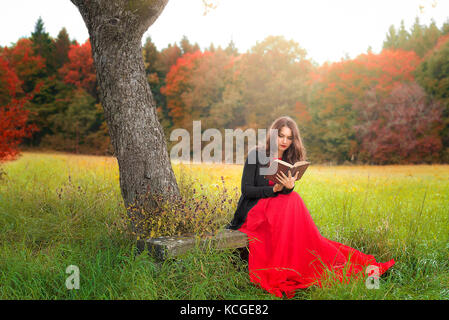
(171, 247)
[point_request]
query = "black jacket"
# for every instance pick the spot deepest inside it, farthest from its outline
(254, 187)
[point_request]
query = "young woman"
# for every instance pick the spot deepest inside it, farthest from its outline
(286, 250)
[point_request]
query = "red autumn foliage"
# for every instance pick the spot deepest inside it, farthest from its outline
(24, 62)
(336, 86)
(13, 115)
(403, 127)
(342, 82)
(80, 70)
(178, 81)
(9, 82)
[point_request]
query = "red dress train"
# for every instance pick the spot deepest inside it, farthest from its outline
(287, 252)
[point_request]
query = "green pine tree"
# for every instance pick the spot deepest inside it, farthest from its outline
(392, 39)
(150, 55)
(445, 27)
(186, 46)
(403, 37)
(44, 46)
(231, 49)
(62, 47)
(432, 74)
(416, 38)
(430, 37)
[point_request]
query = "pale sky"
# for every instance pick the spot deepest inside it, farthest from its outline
(326, 29)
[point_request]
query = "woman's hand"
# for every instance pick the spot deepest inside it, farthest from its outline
(278, 187)
(288, 182)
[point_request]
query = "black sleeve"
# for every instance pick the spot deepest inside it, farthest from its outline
(249, 189)
(286, 191)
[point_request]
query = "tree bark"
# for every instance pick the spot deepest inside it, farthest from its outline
(116, 29)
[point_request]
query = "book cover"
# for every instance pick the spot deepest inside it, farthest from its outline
(282, 166)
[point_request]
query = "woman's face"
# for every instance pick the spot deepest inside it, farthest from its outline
(285, 138)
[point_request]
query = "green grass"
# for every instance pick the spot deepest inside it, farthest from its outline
(58, 210)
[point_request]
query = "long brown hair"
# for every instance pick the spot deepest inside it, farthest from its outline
(296, 151)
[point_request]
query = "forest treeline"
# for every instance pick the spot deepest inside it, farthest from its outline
(386, 108)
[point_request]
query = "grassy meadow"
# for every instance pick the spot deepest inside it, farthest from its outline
(58, 210)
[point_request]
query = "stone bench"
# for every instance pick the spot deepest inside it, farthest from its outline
(163, 248)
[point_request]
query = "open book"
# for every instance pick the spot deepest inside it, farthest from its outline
(283, 166)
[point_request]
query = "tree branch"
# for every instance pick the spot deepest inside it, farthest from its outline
(147, 10)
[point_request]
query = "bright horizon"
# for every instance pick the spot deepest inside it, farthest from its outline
(328, 30)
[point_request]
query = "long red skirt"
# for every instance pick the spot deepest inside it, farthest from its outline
(287, 252)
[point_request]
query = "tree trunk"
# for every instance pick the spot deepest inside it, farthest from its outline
(116, 29)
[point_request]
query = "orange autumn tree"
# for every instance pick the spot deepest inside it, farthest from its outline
(13, 115)
(334, 89)
(194, 87)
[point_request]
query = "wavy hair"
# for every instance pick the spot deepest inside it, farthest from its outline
(296, 151)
